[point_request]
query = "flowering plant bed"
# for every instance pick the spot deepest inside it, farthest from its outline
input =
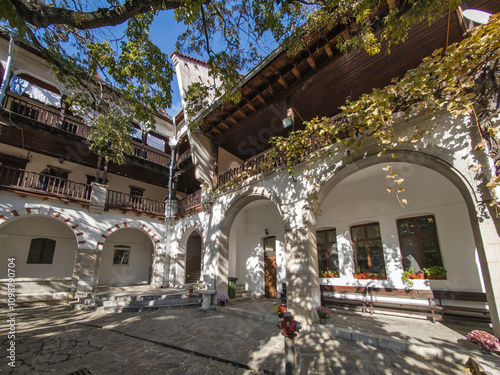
(323, 312)
(222, 298)
(484, 340)
(329, 274)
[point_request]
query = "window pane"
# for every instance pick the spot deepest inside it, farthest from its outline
(270, 244)
(322, 259)
(376, 255)
(41, 251)
(410, 253)
(426, 225)
(334, 257)
(320, 237)
(332, 236)
(430, 252)
(373, 231)
(361, 257)
(406, 227)
(121, 256)
(358, 233)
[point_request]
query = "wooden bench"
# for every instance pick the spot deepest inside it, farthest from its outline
(434, 303)
(478, 298)
(402, 301)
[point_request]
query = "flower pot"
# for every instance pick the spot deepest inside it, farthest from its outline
(436, 277)
(280, 315)
(417, 276)
(322, 321)
(361, 276)
(222, 304)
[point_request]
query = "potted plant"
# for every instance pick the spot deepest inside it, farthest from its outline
(405, 277)
(371, 275)
(324, 313)
(435, 272)
(222, 299)
(280, 310)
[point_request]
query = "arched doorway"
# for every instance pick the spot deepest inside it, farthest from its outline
(193, 258)
(126, 258)
(256, 252)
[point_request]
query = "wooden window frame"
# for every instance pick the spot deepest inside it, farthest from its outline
(419, 238)
(328, 258)
(366, 240)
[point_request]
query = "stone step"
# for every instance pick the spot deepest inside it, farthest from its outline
(144, 297)
(120, 309)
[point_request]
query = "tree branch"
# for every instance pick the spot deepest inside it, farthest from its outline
(42, 15)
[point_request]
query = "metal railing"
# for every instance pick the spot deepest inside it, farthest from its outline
(43, 184)
(189, 204)
(125, 201)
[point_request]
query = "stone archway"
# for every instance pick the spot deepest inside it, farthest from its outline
(484, 228)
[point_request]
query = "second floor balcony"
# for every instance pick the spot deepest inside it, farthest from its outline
(40, 114)
(47, 186)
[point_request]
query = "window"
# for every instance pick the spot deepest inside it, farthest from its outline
(121, 254)
(269, 245)
(326, 242)
(419, 243)
(368, 251)
(41, 251)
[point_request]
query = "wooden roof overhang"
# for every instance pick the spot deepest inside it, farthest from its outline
(316, 82)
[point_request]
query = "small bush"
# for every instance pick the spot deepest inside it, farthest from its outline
(484, 340)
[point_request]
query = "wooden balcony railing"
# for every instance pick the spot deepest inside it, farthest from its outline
(262, 163)
(44, 114)
(185, 155)
(150, 154)
(50, 116)
(189, 204)
(124, 201)
(43, 184)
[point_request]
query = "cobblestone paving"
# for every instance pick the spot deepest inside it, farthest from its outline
(57, 340)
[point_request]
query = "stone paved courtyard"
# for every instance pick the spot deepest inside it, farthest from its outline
(58, 340)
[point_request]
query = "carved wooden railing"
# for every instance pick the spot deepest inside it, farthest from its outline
(185, 155)
(150, 154)
(263, 163)
(44, 114)
(39, 112)
(125, 201)
(189, 204)
(43, 184)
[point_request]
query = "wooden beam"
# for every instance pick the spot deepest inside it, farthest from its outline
(250, 105)
(311, 62)
(296, 72)
(282, 82)
(240, 111)
(262, 100)
(233, 120)
(329, 51)
(224, 125)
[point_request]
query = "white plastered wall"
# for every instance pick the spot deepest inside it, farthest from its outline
(362, 198)
(137, 271)
(246, 253)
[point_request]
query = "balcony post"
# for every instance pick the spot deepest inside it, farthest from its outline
(98, 197)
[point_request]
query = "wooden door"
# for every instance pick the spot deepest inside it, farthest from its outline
(270, 268)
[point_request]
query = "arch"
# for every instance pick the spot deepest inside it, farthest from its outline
(412, 157)
(222, 237)
(52, 212)
(143, 227)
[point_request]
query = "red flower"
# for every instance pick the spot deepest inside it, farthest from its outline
(364, 273)
(373, 277)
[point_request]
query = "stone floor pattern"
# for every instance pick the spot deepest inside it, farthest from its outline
(58, 340)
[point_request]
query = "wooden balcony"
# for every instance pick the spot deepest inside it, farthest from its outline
(190, 204)
(127, 202)
(38, 112)
(263, 163)
(43, 184)
(33, 110)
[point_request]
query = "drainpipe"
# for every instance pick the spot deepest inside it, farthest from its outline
(173, 144)
(6, 74)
